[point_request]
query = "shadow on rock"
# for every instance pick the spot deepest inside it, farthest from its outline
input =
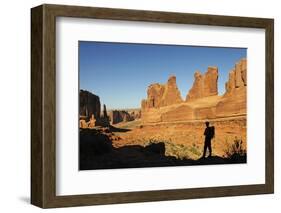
(116, 129)
(220, 160)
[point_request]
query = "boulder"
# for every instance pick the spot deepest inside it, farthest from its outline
(92, 122)
(83, 124)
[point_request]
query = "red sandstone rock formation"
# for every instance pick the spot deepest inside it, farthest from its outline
(202, 102)
(104, 118)
(171, 93)
(237, 77)
(159, 95)
(154, 95)
(83, 124)
(234, 101)
(118, 116)
(89, 104)
(92, 122)
(90, 111)
(179, 113)
(204, 85)
(135, 113)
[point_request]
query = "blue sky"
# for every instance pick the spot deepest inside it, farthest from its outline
(119, 73)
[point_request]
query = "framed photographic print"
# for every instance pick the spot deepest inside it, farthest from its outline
(136, 106)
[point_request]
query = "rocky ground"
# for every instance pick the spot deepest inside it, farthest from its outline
(132, 144)
(185, 139)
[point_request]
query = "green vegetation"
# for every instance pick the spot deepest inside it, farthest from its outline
(180, 151)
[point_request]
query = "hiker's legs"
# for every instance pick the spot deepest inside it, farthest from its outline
(205, 148)
(210, 148)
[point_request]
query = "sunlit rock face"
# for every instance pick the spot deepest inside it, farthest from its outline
(164, 103)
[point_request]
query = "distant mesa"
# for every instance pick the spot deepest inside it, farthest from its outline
(164, 103)
(91, 116)
(89, 104)
(118, 116)
(90, 111)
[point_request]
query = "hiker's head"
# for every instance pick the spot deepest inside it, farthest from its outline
(207, 123)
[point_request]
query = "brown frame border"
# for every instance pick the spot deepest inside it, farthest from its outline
(43, 105)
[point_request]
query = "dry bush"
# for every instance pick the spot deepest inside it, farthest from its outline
(235, 149)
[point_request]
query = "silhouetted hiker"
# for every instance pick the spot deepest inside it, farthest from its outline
(209, 134)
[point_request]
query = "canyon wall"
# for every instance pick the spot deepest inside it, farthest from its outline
(164, 102)
(202, 101)
(234, 101)
(89, 104)
(90, 111)
(91, 116)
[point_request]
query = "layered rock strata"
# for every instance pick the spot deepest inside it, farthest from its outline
(234, 102)
(202, 101)
(204, 85)
(160, 95)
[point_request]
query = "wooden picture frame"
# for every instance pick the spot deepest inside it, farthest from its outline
(43, 105)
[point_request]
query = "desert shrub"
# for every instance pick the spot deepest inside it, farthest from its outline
(235, 149)
(195, 150)
(179, 151)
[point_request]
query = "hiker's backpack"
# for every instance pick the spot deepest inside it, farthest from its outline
(212, 131)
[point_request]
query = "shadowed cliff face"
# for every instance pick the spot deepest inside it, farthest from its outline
(89, 104)
(97, 152)
(91, 116)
